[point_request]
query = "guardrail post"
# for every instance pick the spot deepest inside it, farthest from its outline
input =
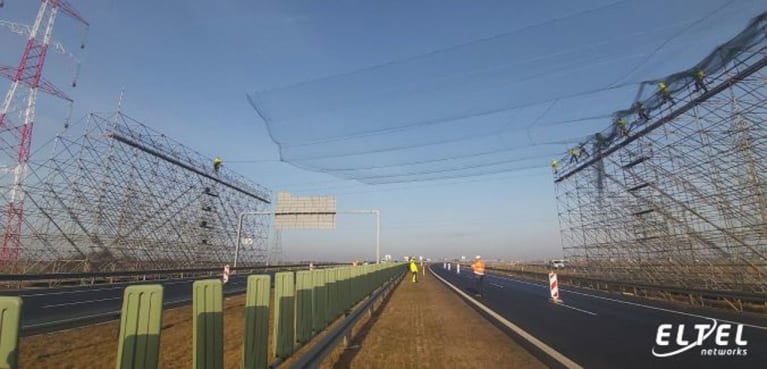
(208, 324)
(284, 305)
(140, 323)
(10, 326)
(255, 354)
(304, 289)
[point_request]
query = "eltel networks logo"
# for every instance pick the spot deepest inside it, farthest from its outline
(727, 341)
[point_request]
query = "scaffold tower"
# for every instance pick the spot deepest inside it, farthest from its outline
(679, 197)
(121, 196)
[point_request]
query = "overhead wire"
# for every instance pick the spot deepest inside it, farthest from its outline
(317, 155)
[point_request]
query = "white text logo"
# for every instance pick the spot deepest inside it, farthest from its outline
(728, 339)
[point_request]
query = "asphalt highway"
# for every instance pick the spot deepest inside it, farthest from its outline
(606, 331)
(51, 309)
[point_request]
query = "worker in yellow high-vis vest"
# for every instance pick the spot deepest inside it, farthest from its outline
(414, 270)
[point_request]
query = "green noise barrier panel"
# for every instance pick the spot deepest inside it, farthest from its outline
(333, 308)
(346, 288)
(304, 287)
(319, 300)
(208, 324)
(10, 326)
(284, 301)
(255, 354)
(140, 323)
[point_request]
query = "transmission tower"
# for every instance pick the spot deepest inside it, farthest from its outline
(17, 116)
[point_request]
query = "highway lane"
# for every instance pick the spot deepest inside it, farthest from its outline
(50, 309)
(598, 330)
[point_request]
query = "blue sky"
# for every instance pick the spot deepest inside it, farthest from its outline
(186, 67)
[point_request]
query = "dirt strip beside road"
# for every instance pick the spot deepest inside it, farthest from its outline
(425, 325)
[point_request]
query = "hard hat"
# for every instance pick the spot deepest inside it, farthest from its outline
(477, 257)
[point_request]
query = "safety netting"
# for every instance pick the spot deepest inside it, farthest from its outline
(507, 102)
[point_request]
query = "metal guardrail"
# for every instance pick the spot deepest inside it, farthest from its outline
(74, 322)
(564, 277)
(39, 277)
(317, 353)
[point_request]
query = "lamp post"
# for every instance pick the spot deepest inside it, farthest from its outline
(239, 231)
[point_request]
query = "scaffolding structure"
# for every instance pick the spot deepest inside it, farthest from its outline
(121, 196)
(681, 199)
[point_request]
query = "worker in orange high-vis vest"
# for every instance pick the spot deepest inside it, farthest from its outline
(478, 267)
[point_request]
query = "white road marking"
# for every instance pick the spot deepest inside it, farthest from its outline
(575, 308)
(88, 290)
(554, 354)
(635, 304)
(70, 292)
(80, 302)
(496, 285)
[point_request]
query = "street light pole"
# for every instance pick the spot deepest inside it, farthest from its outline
(239, 231)
(377, 213)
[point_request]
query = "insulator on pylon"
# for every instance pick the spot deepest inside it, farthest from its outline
(77, 75)
(85, 37)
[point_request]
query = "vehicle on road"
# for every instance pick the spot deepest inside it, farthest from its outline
(557, 264)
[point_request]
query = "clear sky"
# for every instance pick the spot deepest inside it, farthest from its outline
(186, 67)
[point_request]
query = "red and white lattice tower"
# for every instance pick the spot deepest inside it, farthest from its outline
(17, 116)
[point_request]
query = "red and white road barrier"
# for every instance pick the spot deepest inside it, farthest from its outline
(225, 275)
(554, 288)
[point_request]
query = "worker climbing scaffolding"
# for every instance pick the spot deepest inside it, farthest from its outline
(555, 166)
(641, 111)
(700, 83)
(622, 125)
(217, 162)
(664, 93)
(574, 155)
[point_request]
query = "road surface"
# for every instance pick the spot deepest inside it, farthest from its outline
(606, 331)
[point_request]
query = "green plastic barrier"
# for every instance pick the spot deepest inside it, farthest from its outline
(304, 287)
(140, 324)
(255, 345)
(10, 326)
(319, 300)
(284, 305)
(208, 324)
